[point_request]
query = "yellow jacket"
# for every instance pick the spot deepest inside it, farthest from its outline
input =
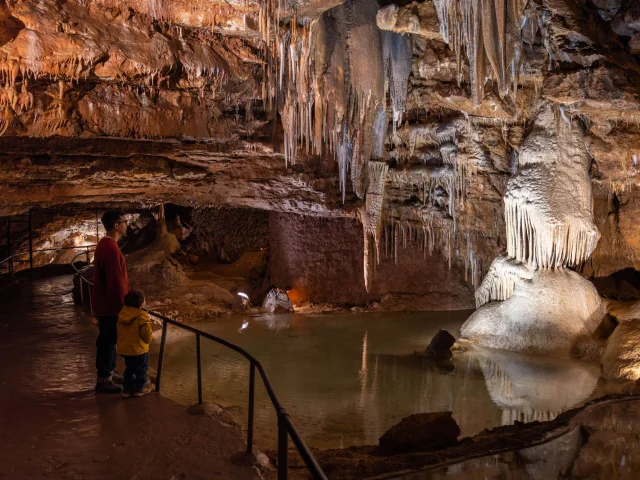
(134, 331)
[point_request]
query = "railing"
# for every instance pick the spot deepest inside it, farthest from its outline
(12, 259)
(286, 428)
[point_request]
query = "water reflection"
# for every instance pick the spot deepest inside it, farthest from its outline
(346, 378)
(535, 388)
(276, 322)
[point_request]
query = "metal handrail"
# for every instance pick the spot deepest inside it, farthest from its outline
(11, 258)
(286, 428)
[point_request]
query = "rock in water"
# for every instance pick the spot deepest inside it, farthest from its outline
(441, 344)
(420, 432)
(277, 301)
(241, 303)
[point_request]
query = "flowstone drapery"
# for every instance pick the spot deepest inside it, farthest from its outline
(529, 301)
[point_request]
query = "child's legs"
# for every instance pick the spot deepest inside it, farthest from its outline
(129, 371)
(141, 362)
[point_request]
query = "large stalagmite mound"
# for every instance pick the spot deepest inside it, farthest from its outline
(547, 312)
(537, 304)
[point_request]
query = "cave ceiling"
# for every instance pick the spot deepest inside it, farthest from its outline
(243, 103)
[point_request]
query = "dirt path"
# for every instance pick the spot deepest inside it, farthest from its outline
(52, 425)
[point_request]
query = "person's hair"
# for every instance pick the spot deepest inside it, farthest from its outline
(110, 218)
(135, 299)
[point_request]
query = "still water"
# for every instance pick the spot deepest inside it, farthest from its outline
(345, 378)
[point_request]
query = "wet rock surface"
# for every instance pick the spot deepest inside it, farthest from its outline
(440, 345)
(420, 432)
(621, 357)
(538, 450)
(53, 424)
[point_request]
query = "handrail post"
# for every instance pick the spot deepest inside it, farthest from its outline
(283, 446)
(90, 304)
(252, 388)
(11, 268)
(163, 340)
(30, 243)
(81, 292)
(87, 254)
(199, 359)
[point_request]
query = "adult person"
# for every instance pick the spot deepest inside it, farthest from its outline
(110, 285)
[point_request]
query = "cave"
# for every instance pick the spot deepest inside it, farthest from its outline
(409, 225)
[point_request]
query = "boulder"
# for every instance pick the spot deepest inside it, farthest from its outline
(240, 303)
(214, 410)
(277, 301)
(420, 432)
(441, 344)
(621, 358)
(547, 311)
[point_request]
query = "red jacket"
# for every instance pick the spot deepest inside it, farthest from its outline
(110, 279)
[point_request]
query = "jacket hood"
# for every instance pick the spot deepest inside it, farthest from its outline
(128, 315)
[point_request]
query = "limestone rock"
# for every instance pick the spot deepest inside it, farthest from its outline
(547, 313)
(440, 345)
(277, 301)
(634, 44)
(240, 303)
(214, 410)
(621, 358)
(420, 432)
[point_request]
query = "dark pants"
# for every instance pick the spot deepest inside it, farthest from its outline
(106, 346)
(135, 373)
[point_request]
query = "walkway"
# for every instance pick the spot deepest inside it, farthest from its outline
(52, 425)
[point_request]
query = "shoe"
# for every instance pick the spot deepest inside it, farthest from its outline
(116, 378)
(148, 388)
(108, 387)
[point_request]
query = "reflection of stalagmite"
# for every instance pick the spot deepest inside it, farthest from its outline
(542, 307)
(371, 218)
(529, 389)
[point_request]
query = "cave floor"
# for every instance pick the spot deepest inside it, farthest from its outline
(52, 425)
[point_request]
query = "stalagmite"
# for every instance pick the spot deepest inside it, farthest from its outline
(529, 301)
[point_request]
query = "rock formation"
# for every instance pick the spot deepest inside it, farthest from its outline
(544, 307)
(621, 358)
(410, 118)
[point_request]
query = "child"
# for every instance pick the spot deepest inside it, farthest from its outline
(134, 336)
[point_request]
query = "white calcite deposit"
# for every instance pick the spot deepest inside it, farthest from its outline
(529, 301)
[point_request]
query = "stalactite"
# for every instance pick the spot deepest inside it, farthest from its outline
(397, 51)
(371, 218)
(489, 33)
(351, 127)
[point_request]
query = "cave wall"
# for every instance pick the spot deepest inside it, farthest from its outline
(320, 260)
(51, 229)
(107, 102)
(235, 230)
